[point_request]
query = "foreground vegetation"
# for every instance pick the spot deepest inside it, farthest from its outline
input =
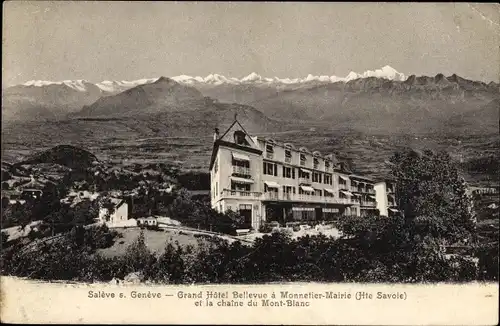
(367, 254)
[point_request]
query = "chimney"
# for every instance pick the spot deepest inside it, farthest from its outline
(216, 134)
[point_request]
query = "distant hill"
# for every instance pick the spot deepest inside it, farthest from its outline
(47, 102)
(166, 107)
(160, 96)
(66, 155)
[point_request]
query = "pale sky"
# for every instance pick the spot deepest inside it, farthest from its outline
(124, 41)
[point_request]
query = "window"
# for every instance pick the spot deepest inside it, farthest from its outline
(288, 155)
(328, 179)
(317, 192)
(303, 174)
(240, 186)
(270, 189)
(327, 165)
(269, 151)
(244, 164)
(270, 169)
(239, 138)
(316, 177)
(302, 159)
(287, 172)
(241, 168)
(315, 163)
(303, 192)
(245, 206)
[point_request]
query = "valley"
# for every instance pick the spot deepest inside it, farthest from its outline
(191, 151)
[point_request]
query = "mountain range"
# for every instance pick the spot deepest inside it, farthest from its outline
(382, 100)
(386, 72)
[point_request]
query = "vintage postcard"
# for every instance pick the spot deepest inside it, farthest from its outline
(250, 163)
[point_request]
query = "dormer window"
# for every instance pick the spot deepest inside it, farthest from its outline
(327, 165)
(302, 159)
(288, 155)
(315, 163)
(240, 138)
(269, 151)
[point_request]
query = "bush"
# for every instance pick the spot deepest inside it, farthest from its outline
(169, 268)
(488, 262)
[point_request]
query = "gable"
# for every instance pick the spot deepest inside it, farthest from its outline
(230, 139)
(235, 131)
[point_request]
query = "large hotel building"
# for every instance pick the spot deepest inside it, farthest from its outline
(265, 180)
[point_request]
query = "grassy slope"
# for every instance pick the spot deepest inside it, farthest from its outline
(155, 240)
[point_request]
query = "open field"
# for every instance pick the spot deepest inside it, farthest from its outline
(155, 240)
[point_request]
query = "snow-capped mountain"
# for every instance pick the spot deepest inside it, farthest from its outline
(120, 86)
(78, 85)
(108, 86)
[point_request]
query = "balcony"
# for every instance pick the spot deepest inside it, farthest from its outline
(362, 190)
(272, 195)
(305, 198)
(239, 194)
(365, 203)
(288, 159)
(269, 155)
(241, 170)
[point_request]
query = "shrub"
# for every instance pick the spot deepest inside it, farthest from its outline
(169, 267)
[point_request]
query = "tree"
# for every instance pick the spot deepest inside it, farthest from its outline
(432, 195)
(138, 257)
(84, 212)
(169, 268)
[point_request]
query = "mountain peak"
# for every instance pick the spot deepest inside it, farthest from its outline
(252, 77)
(164, 79)
(388, 68)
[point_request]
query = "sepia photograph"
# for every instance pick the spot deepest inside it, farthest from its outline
(312, 149)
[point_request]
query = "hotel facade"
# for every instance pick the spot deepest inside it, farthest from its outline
(268, 181)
